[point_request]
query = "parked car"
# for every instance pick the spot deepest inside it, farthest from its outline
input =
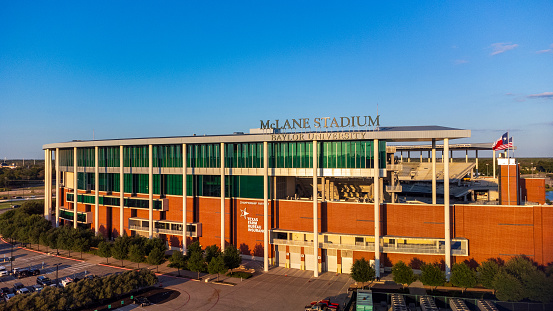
(3, 271)
(66, 281)
(141, 301)
(43, 280)
(15, 206)
(8, 297)
(17, 286)
(36, 288)
(35, 272)
(22, 273)
(23, 290)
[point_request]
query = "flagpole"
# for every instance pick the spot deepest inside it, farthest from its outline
(508, 172)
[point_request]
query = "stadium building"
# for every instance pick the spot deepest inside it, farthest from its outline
(298, 196)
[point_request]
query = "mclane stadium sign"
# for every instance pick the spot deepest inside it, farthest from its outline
(323, 123)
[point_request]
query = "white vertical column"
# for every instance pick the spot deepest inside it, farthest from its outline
(265, 207)
(493, 163)
(376, 195)
(315, 213)
(222, 196)
(151, 190)
(96, 195)
(75, 190)
(477, 161)
(47, 183)
(121, 191)
(467, 156)
(433, 171)
(184, 198)
(447, 211)
(58, 198)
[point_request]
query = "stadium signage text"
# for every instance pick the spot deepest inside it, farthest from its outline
(319, 136)
(326, 122)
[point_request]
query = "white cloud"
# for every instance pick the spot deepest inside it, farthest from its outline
(546, 51)
(502, 47)
(460, 61)
(547, 95)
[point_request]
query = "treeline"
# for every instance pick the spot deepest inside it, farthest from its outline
(87, 292)
(9, 176)
(210, 259)
(516, 280)
(136, 249)
(27, 225)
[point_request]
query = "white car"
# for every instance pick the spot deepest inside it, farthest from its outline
(4, 273)
(23, 290)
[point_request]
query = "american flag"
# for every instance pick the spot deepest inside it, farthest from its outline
(503, 143)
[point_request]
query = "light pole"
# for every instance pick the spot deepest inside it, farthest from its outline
(487, 169)
(532, 168)
(57, 268)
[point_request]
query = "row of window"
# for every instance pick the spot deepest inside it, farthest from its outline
(332, 154)
(197, 185)
(115, 201)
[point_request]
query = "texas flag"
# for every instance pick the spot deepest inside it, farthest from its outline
(503, 143)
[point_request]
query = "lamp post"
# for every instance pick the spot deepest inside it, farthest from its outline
(532, 168)
(57, 268)
(11, 255)
(487, 169)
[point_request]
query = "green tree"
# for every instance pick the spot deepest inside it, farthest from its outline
(177, 260)
(403, 274)
(231, 256)
(82, 244)
(156, 257)
(361, 271)
(120, 250)
(196, 263)
(463, 276)
(136, 254)
(104, 250)
(217, 265)
(194, 247)
(432, 275)
(508, 287)
(487, 272)
(211, 252)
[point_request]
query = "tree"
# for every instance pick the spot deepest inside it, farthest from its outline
(211, 252)
(361, 271)
(177, 260)
(81, 245)
(136, 254)
(120, 249)
(432, 275)
(487, 272)
(104, 250)
(508, 287)
(403, 274)
(463, 276)
(231, 256)
(217, 265)
(156, 257)
(196, 262)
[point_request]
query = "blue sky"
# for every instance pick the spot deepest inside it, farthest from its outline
(126, 69)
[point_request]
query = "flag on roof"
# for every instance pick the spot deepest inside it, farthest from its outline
(503, 143)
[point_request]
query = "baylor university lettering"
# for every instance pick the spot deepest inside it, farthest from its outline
(326, 122)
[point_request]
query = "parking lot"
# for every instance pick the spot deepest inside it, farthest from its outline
(49, 266)
(278, 289)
